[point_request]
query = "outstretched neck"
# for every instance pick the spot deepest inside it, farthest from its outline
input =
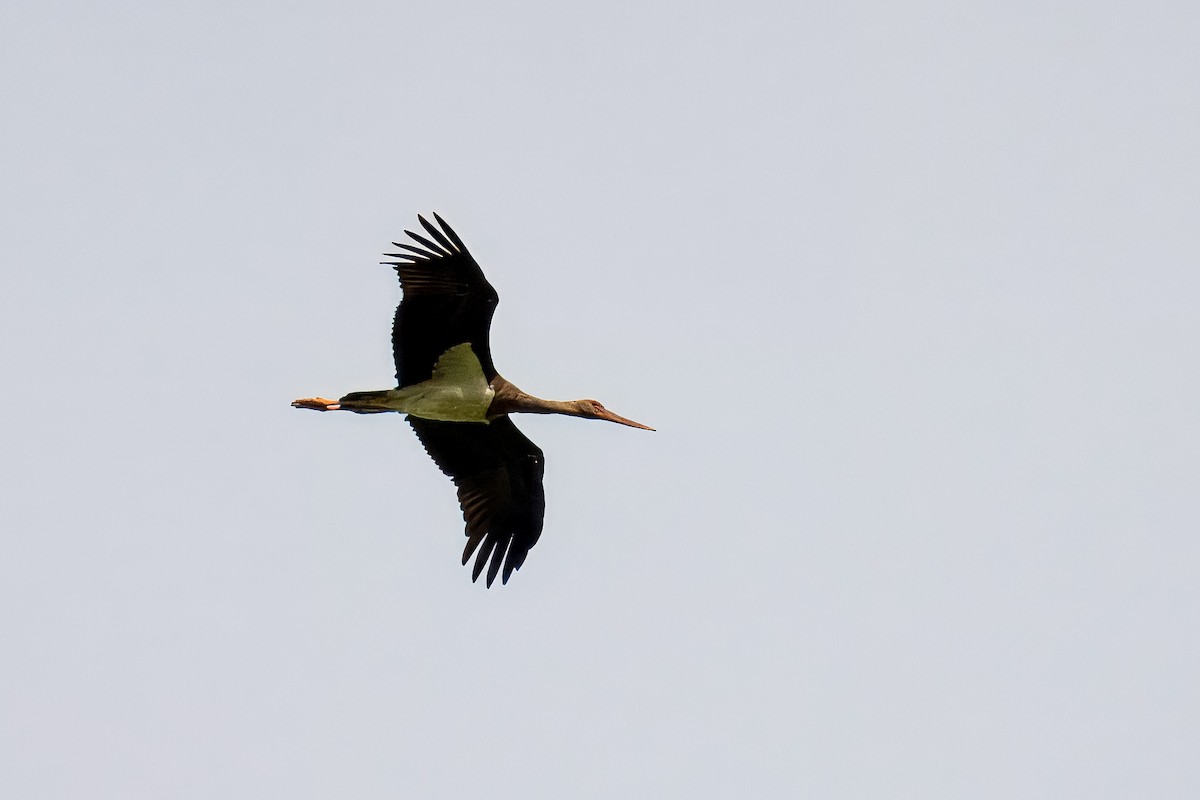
(511, 400)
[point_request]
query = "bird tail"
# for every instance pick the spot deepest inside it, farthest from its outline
(367, 402)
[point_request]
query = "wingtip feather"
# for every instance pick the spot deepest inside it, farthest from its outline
(435, 248)
(494, 567)
(481, 559)
(436, 234)
(454, 237)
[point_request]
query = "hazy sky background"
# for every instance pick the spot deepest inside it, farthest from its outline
(910, 292)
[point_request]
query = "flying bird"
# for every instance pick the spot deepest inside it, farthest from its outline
(458, 404)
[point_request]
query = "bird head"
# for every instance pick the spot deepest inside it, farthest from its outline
(593, 409)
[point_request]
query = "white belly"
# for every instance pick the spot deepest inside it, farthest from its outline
(457, 392)
(447, 403)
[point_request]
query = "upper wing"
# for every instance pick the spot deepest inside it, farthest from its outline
(447, 301)
(498, 472)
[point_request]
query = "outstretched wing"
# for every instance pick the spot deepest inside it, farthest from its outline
(498, 472)
(447, 301)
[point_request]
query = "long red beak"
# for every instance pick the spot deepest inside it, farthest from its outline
(611, 417)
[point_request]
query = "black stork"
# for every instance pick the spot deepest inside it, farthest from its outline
(458, 404)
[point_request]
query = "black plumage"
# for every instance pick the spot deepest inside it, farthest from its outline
(498, 471)
(448, 304)
(447, 301)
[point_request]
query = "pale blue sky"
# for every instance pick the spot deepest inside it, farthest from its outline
(909, 291)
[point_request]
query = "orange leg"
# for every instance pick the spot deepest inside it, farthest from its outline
(316, 404)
